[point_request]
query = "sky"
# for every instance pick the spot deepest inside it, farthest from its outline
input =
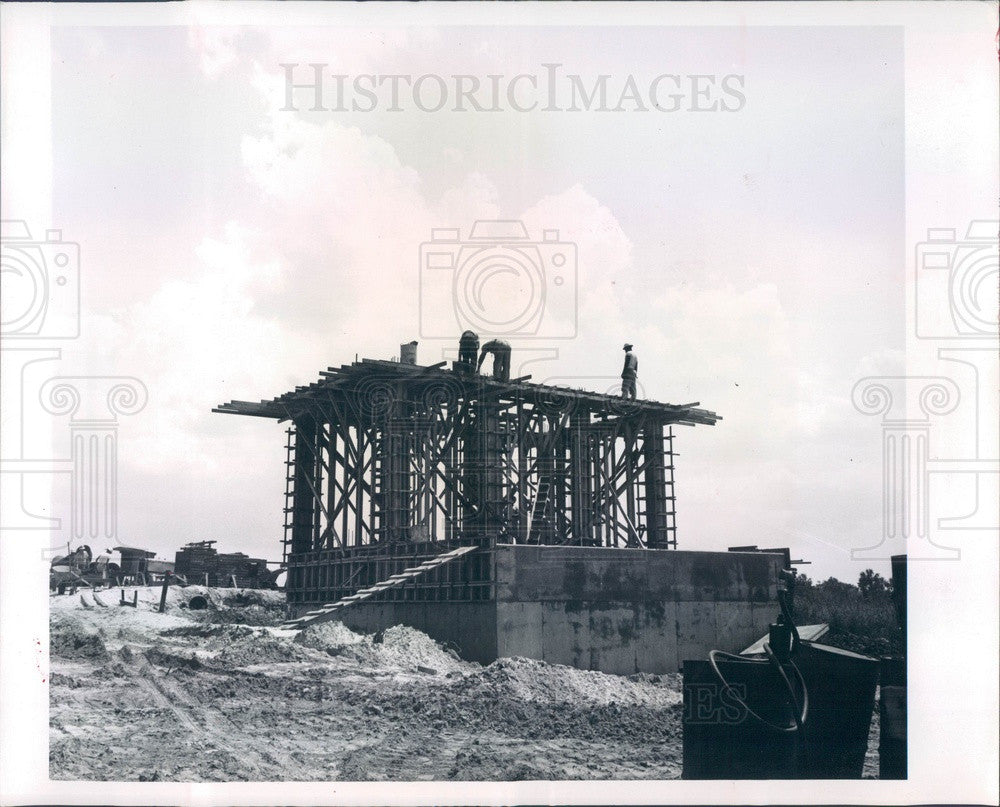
(232, 249)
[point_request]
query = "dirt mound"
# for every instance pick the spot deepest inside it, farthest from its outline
(530, 680)
(396, 649)
(408, 648)
(243, 597)
(330, 637)
(239, 645)
(215, 637)
(249, 615)
(260, 648)
(67, 641)
(169, 660)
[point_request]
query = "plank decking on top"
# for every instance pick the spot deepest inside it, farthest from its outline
(338, 384)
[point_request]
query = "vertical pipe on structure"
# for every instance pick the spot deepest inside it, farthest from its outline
(428, 479)
(286, 541)
(419, 445)
(552, 472)
(522, 471)
(612, 481)
(595, 446)
(318, 445)
(631, 476)
(482, 471)
(580, 488)
(359, 492)
(374, 497)
(656, 488)
(344, 466)
(493, 461)
(302, 496)
(422, 450)
(545, 504)
(472, 483)
(394, 459)
(332, 502)
(560, 469)
(411, 508)
(456, 466)
(450, 463)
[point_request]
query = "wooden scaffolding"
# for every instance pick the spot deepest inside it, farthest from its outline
(403, 461)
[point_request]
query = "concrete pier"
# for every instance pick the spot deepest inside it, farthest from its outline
(616, 610)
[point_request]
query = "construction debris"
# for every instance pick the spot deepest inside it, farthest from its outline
(200, 562)
(80, 568)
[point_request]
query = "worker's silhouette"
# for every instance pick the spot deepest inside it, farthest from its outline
(629, 372)
(501, 359)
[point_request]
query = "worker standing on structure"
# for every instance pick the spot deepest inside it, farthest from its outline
(629, 372)
(468, 349)
(501, 359)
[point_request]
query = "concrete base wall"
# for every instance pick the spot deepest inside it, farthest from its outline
(627, 610)
(625, 638)
(616, 610)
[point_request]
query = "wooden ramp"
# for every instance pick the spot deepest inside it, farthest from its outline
(330, 610)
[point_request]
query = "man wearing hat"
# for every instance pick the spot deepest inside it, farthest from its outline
(629, 372)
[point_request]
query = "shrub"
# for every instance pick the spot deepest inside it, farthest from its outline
(863, 624)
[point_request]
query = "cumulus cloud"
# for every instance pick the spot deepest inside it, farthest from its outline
(201, 335)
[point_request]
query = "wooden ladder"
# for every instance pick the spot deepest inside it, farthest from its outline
(537, 517)
(330, 610)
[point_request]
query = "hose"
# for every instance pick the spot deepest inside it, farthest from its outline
(800, 719)
(786, 611)
(772, 660)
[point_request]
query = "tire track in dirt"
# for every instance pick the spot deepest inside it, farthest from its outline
(203, 719)
(386, 758)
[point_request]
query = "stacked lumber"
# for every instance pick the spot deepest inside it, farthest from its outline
(196, 559)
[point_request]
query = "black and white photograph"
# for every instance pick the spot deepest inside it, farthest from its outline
(499, 403)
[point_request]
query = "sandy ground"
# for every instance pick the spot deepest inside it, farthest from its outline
(220, 695)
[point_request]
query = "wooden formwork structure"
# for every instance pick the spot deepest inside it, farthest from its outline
(388, 463)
